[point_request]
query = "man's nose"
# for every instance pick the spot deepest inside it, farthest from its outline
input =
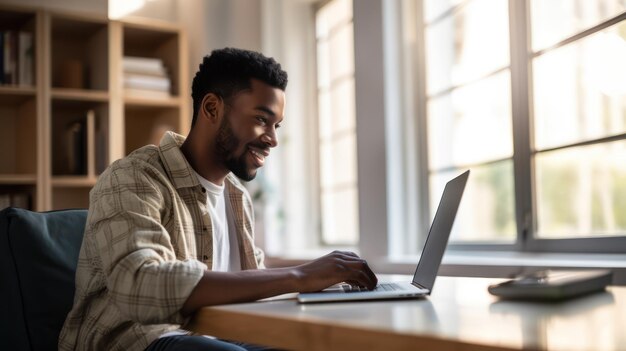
(270, 138)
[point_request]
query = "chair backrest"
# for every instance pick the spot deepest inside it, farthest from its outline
(38, 258)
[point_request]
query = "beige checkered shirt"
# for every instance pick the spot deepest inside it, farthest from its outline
(147, 242)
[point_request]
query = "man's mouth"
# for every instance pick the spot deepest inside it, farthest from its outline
(258, 155)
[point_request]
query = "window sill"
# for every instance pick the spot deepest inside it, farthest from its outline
(510, 264)
(488, 264)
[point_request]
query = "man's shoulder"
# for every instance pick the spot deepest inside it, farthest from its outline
(144, 161)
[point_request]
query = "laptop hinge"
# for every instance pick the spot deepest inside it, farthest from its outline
(419, 286)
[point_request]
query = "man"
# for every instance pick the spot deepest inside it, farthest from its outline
(169, 228)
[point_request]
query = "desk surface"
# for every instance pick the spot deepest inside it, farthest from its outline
(459, 315)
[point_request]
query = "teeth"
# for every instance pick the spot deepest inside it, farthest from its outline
(257, 154)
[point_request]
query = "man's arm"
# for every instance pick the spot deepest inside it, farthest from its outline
(217, 288)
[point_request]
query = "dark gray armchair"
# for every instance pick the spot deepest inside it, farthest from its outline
(38, 257)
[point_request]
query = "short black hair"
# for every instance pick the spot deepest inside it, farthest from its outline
(227, 71)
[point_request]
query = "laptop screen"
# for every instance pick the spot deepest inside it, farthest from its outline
(439, 233)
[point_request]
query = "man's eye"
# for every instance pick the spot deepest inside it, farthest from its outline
(263, 120)
(277, 126)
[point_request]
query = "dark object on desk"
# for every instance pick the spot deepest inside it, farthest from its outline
(553, 285)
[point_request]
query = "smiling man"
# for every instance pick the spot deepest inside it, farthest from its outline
(170, 227)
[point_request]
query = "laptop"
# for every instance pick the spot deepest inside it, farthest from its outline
(427, 267)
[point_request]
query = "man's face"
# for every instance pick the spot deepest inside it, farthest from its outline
(248, 129)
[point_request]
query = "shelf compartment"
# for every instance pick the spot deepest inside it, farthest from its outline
(79, 53)
(21, 21)
(146, 125)
(155, 42)
(79, 138)
(18, 135)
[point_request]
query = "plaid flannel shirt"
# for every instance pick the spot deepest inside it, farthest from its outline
(148, 241)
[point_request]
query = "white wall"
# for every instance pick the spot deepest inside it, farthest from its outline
(217, 24)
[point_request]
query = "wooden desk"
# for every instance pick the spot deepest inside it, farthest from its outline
(459, 315)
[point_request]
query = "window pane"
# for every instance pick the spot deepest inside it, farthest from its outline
(337, 138)
(487, 210)
(468, 45)
(472, 124)
(343, 106)
(342, 53)
(580, 90)
(338, 161)
(331, 15)
(339, 217)
(323, 64)
(555, 20)
(325, 115)
(581, 191)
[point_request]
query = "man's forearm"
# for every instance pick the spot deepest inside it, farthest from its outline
(217, 288)
(229, 287)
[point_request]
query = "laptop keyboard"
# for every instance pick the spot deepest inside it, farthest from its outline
(379, 287)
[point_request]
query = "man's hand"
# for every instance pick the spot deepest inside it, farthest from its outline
(336, 267)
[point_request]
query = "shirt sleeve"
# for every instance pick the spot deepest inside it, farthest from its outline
(145, 279)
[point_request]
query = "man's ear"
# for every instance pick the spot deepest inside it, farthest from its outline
(211, 107)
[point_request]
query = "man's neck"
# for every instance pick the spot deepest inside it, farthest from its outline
(201, 158)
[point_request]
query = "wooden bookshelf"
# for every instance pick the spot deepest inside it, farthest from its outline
(20, 103)
(60, 132)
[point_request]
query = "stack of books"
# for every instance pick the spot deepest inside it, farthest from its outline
(146, 77)
(16, 58)
(16, 199)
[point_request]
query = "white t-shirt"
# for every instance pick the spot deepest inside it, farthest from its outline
(225, 243)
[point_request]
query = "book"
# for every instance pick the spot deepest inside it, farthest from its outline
(7, 69)
(1, 57)
(5, 201)
(102, 137)
(91, 143)
(145, 65)
(136, 81)
(21, 200)
(76, 147)
(69, 149)
(25, 59)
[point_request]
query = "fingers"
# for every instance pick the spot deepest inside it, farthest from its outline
(356, 269)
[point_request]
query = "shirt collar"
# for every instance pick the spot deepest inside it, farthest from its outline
(180, 171)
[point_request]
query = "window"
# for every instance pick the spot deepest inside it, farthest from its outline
(337, 132)
(540, 120)
(579, 90)
(528, 94)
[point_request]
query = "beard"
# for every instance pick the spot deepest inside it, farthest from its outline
(226, 146)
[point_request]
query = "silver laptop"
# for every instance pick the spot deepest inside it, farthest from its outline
(426, 271)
